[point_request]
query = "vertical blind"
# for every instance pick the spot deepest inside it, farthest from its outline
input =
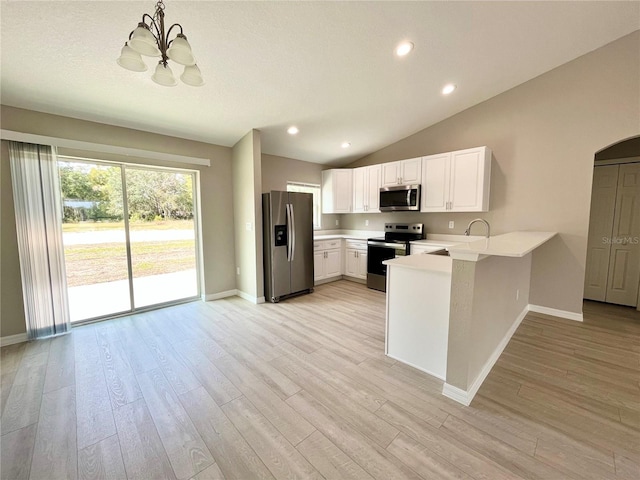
(38, 211)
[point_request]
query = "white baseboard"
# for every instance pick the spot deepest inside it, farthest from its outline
(465, 396)
(556, 313)
(435, 375)
(217, 296)
(12, 339)
(457, 394)
(250, 298)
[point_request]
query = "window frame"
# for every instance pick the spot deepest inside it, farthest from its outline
(316, 190)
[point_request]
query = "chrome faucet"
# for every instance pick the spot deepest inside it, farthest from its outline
(467, 232)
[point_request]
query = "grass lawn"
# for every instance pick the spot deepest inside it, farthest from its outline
(155, 225)
(90, 264)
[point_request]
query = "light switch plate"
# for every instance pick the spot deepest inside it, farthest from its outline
(451, 224)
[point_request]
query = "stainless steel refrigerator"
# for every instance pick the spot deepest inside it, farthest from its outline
(288, 244)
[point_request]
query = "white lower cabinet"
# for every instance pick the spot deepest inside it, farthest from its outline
(327, 259)
(355, 263)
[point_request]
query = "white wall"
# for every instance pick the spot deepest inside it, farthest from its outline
(247, 214)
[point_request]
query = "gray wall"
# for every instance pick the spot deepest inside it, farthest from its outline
(277, 171)
(216, 195)
(544, 135)
(247, 213)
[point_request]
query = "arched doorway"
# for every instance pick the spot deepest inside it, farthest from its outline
(613, 249)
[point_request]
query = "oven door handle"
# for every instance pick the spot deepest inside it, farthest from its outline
(395, 246)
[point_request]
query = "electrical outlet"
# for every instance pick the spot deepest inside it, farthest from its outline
(237, 270)
(366, 223)
(517, 294)
(451, 223)
(337, 222)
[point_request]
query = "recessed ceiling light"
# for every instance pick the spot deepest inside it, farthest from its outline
(345, 145)
(404, 48)
(448, 89)
(292, 130)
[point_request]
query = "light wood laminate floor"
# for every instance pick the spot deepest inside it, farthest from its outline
(302, 389)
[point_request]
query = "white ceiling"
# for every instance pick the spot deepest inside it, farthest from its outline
(327, 67)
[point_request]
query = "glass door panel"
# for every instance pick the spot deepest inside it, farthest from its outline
(94, 239)
(162, 235)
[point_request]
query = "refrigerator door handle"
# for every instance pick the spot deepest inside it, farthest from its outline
(289, 231)
(293, 233)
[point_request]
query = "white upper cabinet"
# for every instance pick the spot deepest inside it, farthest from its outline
(435, 182)
(366, 189)
(403, 172)
(456, 181)
(337, 190)
(374, 182)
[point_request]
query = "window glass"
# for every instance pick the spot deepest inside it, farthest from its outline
(315, 190)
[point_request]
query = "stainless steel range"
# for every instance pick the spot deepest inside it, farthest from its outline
(394, 244)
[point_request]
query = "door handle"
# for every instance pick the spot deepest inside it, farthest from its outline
(289, 232)
(293, 232)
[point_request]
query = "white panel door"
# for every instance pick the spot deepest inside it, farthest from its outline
(360, 192)
(391, 174)
(351, 262)
(318, 265)
(372, 189)
(624, 261)
(343, 190)
(333, 263)
(435, 183)
(411, 171)
(603, 202)
(466, 181)
(362, 264)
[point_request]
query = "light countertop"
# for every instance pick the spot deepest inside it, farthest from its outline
(432, 263)
(347, 234)
(514, 244)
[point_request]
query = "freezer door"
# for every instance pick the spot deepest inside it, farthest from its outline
(278, 276)
(301, 241)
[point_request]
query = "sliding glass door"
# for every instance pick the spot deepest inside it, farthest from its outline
(129, 237)
(162, 235)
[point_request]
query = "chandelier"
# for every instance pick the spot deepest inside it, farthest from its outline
(149, 39)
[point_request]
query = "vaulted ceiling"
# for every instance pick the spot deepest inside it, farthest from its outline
(327, 67)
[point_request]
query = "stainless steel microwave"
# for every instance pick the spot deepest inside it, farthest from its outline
(400, 198)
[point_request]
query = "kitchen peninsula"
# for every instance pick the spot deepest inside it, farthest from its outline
(451, 316)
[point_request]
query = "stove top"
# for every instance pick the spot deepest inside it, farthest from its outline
(402, 232)
(389, 240)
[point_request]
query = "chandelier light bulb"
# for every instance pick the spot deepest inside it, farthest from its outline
(180, 51)
(131, 60)
(143, 42)
(164, 76)
(192, 76)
